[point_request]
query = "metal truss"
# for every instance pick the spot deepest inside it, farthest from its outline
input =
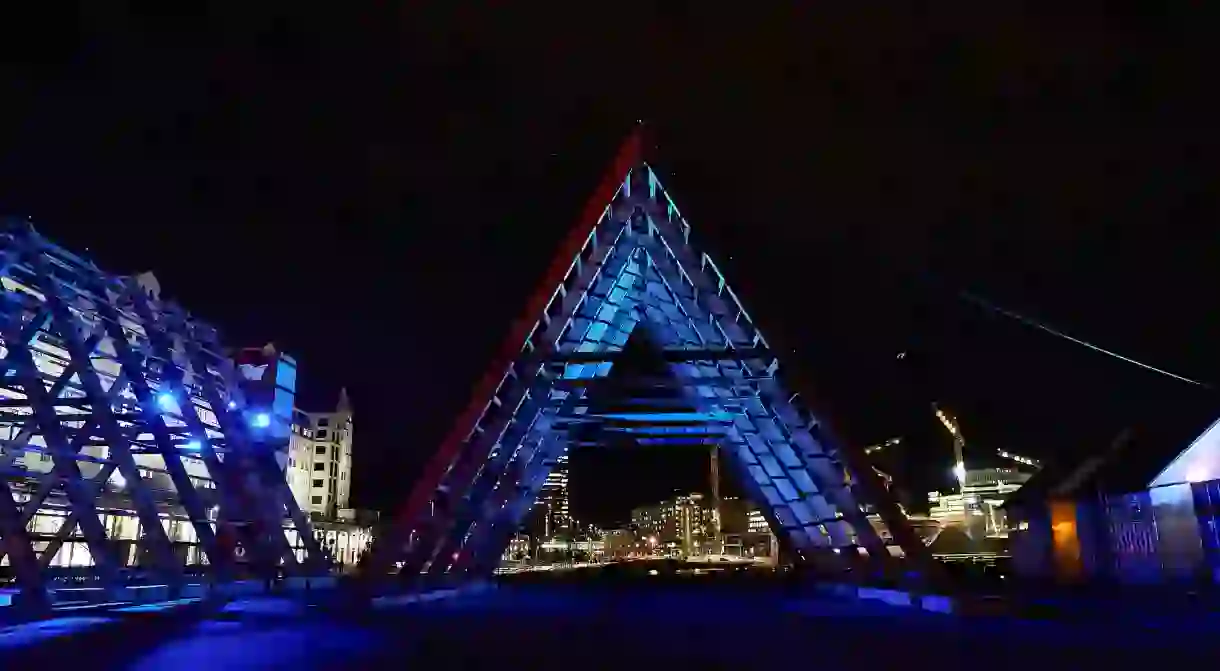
(634, 268)
(115, 404)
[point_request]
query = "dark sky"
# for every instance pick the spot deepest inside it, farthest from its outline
(377, 190)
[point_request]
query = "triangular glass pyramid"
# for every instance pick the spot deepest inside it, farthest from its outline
(629, 265)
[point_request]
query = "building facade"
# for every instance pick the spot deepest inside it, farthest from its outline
(683, 525)
(320, 461)
(319, 472)
(1075, 526)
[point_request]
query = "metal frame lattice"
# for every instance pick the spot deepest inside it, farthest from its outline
(635, 267)
(131, 401)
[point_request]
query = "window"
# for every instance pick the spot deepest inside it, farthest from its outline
(321, 434)
(323, 421)
(321, 449)
(317, 483)
(317, 500)
(319, 467)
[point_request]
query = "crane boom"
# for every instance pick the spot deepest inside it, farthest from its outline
(959, 444)
(959, 447)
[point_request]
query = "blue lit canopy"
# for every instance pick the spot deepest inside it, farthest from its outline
(1199, 462)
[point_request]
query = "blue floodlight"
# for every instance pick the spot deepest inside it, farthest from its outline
(193, 446)
(232, 405)
(262, 420)
(166, 401)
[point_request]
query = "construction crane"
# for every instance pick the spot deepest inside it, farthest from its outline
(959, 447)
(959, 444)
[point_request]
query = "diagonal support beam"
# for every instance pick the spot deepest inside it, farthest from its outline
(69, 327)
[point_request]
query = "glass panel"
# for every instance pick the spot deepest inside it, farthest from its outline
(789, 492)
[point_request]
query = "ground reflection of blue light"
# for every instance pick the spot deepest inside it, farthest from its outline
(166, 401)
(155, 607)
(255, 648)
(30, 633)
(265, 606)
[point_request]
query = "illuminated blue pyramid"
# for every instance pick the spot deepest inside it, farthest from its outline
(629, 265)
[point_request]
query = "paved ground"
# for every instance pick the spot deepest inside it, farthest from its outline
(592, 625)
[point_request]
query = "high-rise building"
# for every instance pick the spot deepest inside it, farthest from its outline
(319, 472)
(553, 502)
(320, 461)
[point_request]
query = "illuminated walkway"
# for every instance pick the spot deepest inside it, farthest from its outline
(574, 626)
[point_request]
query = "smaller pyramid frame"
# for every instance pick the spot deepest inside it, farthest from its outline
(630, 264)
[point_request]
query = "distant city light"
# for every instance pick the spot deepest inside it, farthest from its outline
(959, 471)
(166, 401)
(232, 405)
(262, 420)
(1020, 459)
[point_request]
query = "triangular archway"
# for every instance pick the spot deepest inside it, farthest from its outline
(629, 265)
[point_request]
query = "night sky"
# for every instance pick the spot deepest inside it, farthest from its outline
(377, 191)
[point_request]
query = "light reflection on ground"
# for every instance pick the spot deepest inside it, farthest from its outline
(29, 633)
